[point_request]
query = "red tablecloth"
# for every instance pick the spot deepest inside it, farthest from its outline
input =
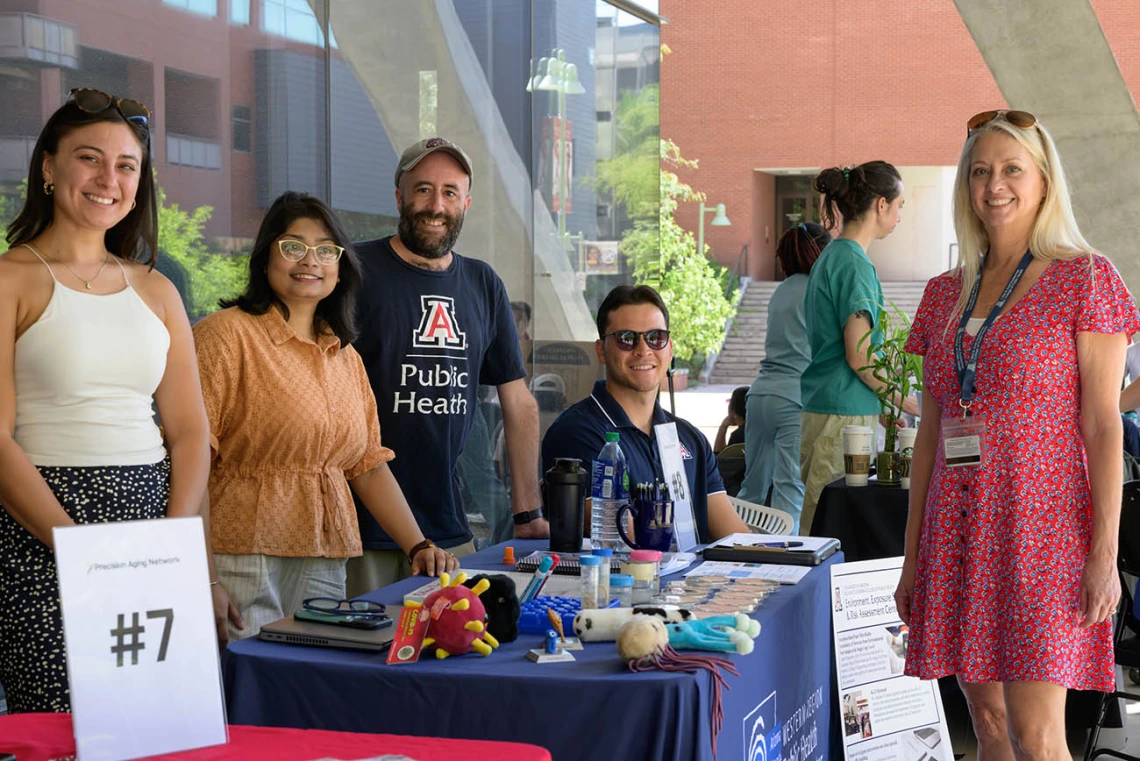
(43, 737)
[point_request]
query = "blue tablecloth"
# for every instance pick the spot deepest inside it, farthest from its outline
(594, 708)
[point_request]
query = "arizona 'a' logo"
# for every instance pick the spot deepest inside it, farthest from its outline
(438, 328)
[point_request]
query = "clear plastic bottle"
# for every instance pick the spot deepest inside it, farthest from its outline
(606, 554)
(645, 568)
(589, 569)
(609, 490)
(621, 589)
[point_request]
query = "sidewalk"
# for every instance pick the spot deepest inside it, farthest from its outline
(704, 407)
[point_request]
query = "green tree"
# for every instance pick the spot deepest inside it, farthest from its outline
(212, 276)
(665, 256)
(633, 176)
(10, 206)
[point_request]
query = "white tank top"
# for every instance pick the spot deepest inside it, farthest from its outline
(86, 372)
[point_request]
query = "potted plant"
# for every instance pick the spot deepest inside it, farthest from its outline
(900, 374)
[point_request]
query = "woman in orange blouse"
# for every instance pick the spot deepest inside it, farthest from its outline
(292, 423)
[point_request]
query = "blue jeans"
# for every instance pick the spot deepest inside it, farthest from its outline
(772, 454)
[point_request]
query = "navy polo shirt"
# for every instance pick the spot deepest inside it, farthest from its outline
(580, 432)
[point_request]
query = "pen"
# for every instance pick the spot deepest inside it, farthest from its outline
(776, 545)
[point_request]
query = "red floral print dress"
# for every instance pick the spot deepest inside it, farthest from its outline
(1003, 545)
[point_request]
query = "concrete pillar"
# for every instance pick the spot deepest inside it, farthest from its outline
(1050, 57)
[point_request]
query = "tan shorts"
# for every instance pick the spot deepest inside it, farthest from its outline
(821, 455)
(376, 569)
(265, 588)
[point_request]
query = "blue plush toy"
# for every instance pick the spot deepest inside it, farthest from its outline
(725, 634)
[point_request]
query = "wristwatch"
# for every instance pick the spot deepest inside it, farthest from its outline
(526, 516)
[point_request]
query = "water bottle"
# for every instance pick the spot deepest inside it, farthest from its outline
(609, 490)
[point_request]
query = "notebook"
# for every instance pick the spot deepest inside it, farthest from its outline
(568, 564)
(294, 632)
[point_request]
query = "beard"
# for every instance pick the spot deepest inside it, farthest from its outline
(428, 246)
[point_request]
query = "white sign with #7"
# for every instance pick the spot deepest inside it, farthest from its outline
(142, 653)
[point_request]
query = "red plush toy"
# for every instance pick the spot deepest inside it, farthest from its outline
(461, 624)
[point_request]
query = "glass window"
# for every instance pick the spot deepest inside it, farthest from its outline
(396, 71)
(292, 19)
(202, 7)
(239, 12)
(242, 134)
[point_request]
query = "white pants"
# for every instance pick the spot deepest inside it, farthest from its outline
(265, 588)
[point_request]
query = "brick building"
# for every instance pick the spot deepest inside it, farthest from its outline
(764, 95)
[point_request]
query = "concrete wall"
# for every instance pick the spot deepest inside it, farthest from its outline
(920, 246)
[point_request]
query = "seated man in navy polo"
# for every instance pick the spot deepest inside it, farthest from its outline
(634, 345)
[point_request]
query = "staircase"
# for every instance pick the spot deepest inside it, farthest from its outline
(739, 359)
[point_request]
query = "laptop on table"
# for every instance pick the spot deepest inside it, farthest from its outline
(294, 632)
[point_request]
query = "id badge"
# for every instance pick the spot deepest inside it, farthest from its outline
(964, 441)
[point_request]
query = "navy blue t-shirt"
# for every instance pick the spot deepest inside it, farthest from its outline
(429, 340)
(580, 432)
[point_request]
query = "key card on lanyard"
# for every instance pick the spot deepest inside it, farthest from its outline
(964, 440)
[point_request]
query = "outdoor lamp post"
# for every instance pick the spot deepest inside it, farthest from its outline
(718, 220)
(554, 74)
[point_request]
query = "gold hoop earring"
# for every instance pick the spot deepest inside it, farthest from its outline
(49, 188)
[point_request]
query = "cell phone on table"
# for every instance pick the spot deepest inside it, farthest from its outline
(351, 620)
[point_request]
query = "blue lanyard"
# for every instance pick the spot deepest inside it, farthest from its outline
(968, 367)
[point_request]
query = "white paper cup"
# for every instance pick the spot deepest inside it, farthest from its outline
(857, 442)
(906, 452)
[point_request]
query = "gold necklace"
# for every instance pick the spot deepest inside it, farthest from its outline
(106, 259)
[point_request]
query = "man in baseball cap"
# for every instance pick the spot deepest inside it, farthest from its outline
(433, 327)
(416, 153)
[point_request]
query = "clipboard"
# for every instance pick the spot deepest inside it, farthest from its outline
(751, 553)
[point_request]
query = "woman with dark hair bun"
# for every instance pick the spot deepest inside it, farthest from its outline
(92, 338)
(293, 423)
(843, 301)
(772, 425)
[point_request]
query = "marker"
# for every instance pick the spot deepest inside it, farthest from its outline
(540, 577)
(554, 564)
(776, 545)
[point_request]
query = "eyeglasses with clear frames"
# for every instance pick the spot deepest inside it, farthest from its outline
(295, 251)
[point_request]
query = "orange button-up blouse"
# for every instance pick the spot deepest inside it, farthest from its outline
(291, 422)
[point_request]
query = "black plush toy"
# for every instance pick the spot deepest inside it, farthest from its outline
(502, 603)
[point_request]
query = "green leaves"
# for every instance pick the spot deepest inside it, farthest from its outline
(890, 364)
(213, 276)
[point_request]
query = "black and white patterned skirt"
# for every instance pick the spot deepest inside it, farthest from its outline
(33, 665)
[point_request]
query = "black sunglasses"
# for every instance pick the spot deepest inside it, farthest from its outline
(96, 102)
(1019, 119)
(627, 340)
(333, 605)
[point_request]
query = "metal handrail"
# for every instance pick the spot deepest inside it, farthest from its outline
(734, 278)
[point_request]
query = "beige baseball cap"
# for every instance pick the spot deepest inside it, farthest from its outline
(415, 154)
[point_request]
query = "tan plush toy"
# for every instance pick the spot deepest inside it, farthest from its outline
(643, 642)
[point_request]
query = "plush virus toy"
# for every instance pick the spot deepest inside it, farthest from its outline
(460, 626)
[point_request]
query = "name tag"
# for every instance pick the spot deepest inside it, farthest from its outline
(964, 441)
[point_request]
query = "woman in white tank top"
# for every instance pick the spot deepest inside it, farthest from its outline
(90, 338)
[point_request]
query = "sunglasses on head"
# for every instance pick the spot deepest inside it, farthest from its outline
(1019, 119)
(96, 102)
(627, 340)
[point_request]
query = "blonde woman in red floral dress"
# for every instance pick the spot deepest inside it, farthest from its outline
(1010, 580)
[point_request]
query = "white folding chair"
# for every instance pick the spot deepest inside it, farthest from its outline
(761, 518)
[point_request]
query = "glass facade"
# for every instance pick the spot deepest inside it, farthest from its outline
(550, 98)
